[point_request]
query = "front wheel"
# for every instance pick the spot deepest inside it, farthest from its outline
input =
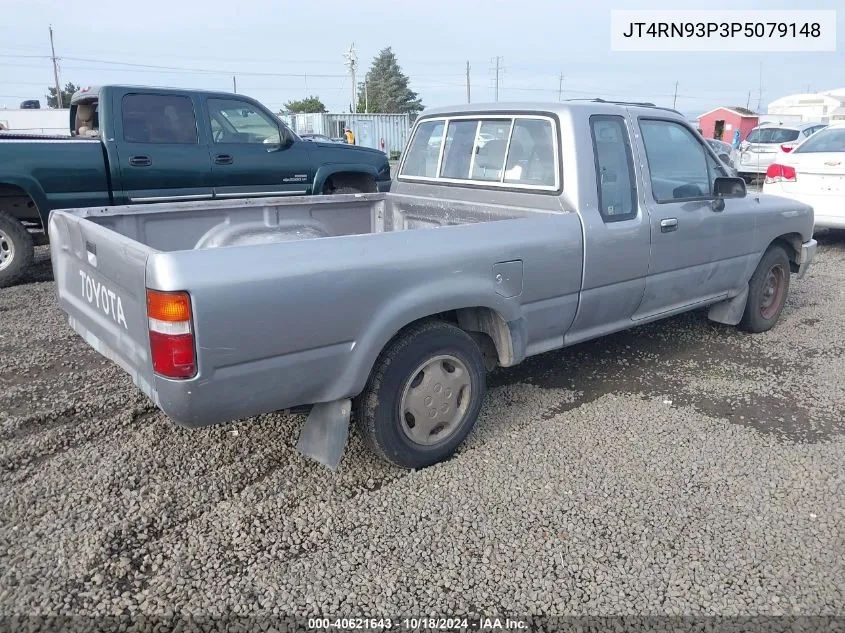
(16, 249)
(767, 291)
(423, 396)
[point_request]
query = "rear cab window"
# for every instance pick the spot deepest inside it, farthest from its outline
(508, 151)
(159, 119)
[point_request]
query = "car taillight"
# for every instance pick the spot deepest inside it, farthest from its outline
(780, 173)
(171, 335)
(787, 148)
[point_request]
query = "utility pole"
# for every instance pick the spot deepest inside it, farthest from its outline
(234, 84)
(469, 100)
(560, 88)
(352, 63)
(760, 92)
(675, 100)
(748, 101)
(366, 96)
(59, 103)
(498, 62)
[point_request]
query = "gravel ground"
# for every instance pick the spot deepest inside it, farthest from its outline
(679, 468)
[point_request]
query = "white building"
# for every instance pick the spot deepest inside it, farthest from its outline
(36, 121)
(824, 106)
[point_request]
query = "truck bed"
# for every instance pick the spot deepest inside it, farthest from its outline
(294, 298)
(199, 225)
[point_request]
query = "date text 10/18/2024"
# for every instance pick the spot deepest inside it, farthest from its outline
(417, 624)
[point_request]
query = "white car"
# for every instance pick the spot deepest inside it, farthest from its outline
(766, 141)
(814, 173)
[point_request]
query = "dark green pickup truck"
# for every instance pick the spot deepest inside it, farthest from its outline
(132, 145)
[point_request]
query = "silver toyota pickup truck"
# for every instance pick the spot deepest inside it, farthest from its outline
(509, 230)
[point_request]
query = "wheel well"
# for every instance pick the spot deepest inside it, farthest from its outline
(792, 244)
(364, 182)
(488, 328)
(18, 204)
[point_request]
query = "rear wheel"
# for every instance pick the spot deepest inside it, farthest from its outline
(767, 291)
(423, 396)
(16, 249)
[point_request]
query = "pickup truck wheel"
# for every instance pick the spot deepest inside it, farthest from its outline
(423, 396)
(16, 249)
(346, 189)
(767, 291)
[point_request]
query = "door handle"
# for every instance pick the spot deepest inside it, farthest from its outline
(223, 159)
(668, 225)
(140, 161)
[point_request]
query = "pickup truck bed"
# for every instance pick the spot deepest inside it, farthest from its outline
(267, 277)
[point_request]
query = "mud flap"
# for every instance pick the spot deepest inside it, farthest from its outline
(729, 311)
(324, 435)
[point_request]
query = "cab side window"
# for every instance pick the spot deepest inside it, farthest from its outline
(617, 190)
(677, 161)
(158, 119)
(236, 121)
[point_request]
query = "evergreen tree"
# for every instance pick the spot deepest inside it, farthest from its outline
(386, 89)
(67, 93)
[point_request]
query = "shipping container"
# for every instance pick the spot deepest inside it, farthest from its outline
(387, 132)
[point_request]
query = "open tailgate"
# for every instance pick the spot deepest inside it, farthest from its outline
(100, 281)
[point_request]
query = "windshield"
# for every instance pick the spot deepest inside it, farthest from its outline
(829, 140)
(772, 135)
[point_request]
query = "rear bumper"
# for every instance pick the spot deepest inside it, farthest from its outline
(806, 256)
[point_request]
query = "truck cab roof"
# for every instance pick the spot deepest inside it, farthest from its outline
(555, 107)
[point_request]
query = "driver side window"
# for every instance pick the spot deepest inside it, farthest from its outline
(236, 121)
(676, 160)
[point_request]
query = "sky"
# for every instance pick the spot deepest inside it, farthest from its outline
(279, 51)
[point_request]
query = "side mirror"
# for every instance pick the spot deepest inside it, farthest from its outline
(729, 187)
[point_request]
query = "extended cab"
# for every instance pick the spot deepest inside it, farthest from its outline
(510, 230)
(131, 145)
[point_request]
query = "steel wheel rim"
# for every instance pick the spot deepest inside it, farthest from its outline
(772, 295)
(435, 400)
(7, 250)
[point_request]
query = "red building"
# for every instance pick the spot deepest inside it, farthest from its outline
(721, 123)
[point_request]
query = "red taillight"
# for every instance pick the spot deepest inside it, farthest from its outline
(171, 337)
(780, 173)
(786, 148)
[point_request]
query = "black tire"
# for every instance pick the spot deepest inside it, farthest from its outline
(377, 410)
(765, 300)
(345, 189)
(16, 249)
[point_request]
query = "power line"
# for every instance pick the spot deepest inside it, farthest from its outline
(107, 62)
